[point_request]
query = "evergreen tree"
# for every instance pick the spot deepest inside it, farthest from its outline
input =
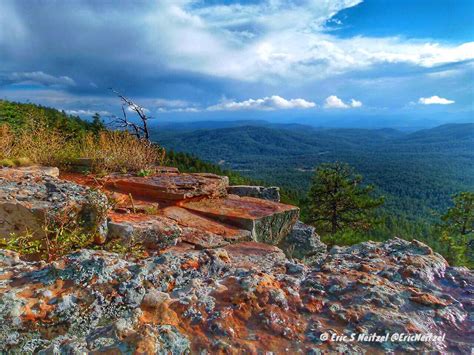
(97, 123)
(339, 201)
(458, 229)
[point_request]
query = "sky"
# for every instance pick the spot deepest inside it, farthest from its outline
(308, 61)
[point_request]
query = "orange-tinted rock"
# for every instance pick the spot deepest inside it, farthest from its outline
(428, 300)
(187, 218)
(152, 232)
(170, 186)
(269, 222)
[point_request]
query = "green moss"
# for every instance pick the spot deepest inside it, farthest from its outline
(22, 162)
(7, 163)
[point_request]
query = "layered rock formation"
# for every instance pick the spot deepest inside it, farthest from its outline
(207, 284)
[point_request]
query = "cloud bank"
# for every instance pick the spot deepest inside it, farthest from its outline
(434, 100)
(334, 102)
(271, 103)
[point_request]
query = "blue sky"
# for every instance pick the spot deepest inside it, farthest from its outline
(309, 61)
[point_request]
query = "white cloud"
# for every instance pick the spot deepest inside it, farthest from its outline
(265, 104)
(435, 100)
(282, 39)
(334, 102)
(356, 103)
(41, 78)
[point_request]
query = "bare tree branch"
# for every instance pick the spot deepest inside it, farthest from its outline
(139, 130)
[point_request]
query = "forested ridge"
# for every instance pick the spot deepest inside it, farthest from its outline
(417, 172)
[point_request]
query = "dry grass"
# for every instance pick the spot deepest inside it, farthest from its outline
(7, 140)
(120, 151)
(109, 150)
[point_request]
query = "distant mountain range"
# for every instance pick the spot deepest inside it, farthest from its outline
(416, 171)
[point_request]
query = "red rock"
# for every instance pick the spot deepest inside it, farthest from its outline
(269, 222)
(428, 300)
(170, 186)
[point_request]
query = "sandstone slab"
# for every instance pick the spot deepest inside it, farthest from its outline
(151, 232)
(268, 222)
(188, 219)
(170, 186)
(170, 226)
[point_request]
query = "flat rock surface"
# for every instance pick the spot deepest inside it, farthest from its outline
(243, 298)
(268, 221)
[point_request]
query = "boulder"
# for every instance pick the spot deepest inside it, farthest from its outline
(303, 243)
(265, 193)
(31, 200)
(268, 222)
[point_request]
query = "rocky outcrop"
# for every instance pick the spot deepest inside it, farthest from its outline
(206, 283)
(32, 198)
(304, 243)
(245, 298)
(265, 193)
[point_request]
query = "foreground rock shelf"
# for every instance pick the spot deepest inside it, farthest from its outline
(245, 298)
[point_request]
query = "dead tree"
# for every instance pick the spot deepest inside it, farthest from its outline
(140, 130)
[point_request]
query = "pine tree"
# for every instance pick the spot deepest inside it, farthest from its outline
(339, 201)
(458, 229)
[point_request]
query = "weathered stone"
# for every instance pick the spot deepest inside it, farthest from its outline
(303, 243)
(170, 186)
(30, 202)
(266, 193)
(269, 222)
